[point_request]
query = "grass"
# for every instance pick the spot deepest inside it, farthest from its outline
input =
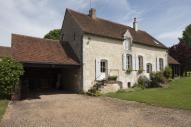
(3, 106)
(177, 95)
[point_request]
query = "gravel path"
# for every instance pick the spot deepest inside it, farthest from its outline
(72, 110)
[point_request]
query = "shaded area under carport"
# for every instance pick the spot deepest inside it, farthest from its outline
(48, 78)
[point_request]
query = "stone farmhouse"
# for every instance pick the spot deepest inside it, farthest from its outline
(90, 49)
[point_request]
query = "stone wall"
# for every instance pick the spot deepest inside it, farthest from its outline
(103, 48)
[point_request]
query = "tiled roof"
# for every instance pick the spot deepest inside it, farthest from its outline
(171, 60)
(102, 27)
(5, 51)
(36, 50)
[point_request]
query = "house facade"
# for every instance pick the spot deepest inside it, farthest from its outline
(105, 48)
(90, 49)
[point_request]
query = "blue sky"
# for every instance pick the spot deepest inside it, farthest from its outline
(163, 19)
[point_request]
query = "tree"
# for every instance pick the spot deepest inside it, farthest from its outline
(182, 53)
(10, 72)
(186, 37)
(53, 34)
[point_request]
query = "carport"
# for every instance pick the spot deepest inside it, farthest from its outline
(40, 78)
(49, 65)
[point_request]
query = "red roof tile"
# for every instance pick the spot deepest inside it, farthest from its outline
(102, 27)
(5, 51)
(171, 60)
(36, 50)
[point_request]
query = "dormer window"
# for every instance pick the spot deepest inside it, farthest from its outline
(127, 44)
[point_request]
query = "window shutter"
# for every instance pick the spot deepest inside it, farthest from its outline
(134, 62)
(144, 64)
(124, 62)
(137, 62)
(124, 44)
(98, 69)
(158, 64)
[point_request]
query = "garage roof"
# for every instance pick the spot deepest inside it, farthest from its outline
(28, 49)
(5, 51)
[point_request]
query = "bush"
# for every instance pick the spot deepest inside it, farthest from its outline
(128, 71)
(140, 71)
(167, 72)
(10, 72)
(156, 79)
(143, 82)
(112, 78)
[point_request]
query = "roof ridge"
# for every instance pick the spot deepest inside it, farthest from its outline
(107, 20)
(21, 35)
(69, 11)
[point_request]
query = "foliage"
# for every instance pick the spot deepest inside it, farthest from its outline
(177, 95)
(182, 53)
(186, 37)
(129, 70)
(167, 72)
(53, 34)
(140, 71)
(3, 106)
(95, 89)
(112, 78)
(157, 79)
(143, 82)
(10, 72)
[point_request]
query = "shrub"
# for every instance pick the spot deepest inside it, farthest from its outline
(143, 82)
(112, 78)
(156, 79)
(129, 70)
(10, 72)
(167, 72)
(140, 71)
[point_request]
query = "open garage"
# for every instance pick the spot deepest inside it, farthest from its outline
(50, 78)
(49, 65)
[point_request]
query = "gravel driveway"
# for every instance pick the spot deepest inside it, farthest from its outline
(72, 110)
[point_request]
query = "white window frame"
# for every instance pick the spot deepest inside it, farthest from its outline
(161, 64)
(129, 61)
(140, 64)
(127, 44)
(149, 67)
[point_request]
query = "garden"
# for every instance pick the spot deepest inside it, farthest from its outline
(160, 90)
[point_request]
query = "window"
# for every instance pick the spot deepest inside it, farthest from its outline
(129, 61)
(140, 60)
(161, 64)
(103, 66)
(127, 44)
(149, 68)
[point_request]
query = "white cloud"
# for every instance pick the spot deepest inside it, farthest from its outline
(170, 35)
(32, 17)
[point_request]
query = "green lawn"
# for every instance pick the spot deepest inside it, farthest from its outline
(177, 95)
(3, 106)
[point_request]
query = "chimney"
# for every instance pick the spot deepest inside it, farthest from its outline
(92, 13)
(135, 25)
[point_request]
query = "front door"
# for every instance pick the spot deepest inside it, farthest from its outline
(103, 69)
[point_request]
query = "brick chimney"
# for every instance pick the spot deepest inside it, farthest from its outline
(92, 13)
(135, 25)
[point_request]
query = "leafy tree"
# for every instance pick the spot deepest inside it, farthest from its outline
(53, 34)
(10, 72)
(182, 53)
(187, 35)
